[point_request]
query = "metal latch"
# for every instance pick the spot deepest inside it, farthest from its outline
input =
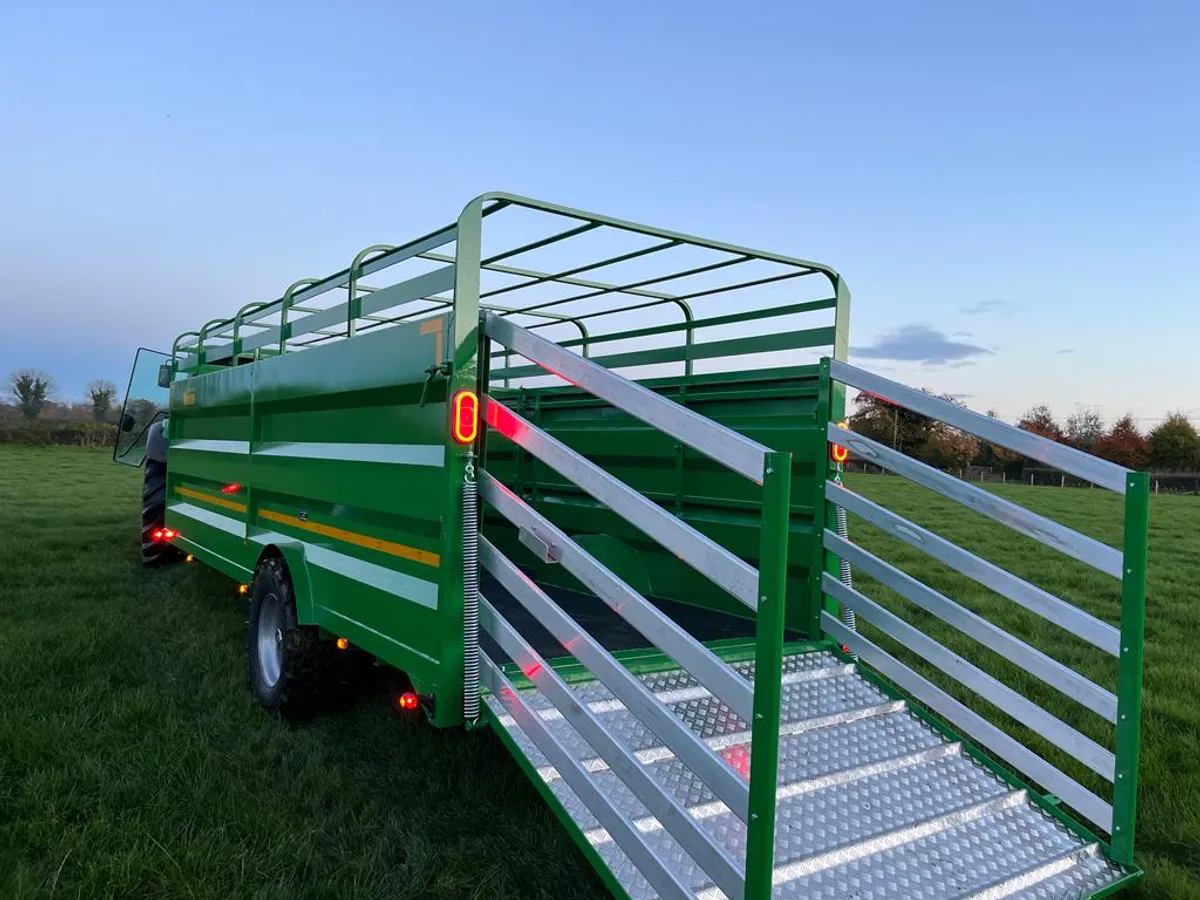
(542, 549)
(442, 370)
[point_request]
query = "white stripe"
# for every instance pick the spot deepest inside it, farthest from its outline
(403, 454)
(208, 517)
(210, 446)
(416, 590)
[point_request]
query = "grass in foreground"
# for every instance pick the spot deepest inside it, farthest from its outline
(1168, 838)
(134, 762)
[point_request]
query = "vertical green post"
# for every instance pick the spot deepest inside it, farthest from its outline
(353, 305)
(768, 673)
(819, 453)
(823, 514)
(831, 407)
(1129, 681)
(461, 349)
(841, 347)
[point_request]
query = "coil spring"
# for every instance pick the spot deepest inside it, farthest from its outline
(470, 523)
(848, 617)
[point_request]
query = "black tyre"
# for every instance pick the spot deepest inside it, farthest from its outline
(293, 670)
(154, 511)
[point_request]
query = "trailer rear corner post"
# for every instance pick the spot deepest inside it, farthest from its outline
(768, 688)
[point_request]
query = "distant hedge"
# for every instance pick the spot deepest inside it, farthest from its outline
(45, 432)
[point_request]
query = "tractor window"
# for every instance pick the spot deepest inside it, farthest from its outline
(145, 403)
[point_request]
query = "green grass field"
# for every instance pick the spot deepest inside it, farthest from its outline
(134, 762)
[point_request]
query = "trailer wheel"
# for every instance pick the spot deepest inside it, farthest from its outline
(154, 513)
(293, 669)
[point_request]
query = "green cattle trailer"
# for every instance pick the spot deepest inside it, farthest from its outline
(576, 406)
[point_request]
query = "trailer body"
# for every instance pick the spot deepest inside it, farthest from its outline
(577, 425)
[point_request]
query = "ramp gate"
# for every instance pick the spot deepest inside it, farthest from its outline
(759, 703)
(1114, 814)
(760, 590)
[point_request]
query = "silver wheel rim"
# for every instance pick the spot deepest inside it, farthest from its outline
(270, 640)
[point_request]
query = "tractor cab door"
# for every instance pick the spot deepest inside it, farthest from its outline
(146, 401)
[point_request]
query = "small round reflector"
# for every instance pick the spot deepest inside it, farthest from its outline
(342, 643)
(190, 557)
(243, 588)
(464, 417)
(408, 700)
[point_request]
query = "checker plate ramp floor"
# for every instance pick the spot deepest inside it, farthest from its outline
(872, 803)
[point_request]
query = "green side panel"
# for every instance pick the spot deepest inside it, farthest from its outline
(777, 408)
(622, 559)
(330, 456)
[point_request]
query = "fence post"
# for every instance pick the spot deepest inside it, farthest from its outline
(1129, 680)
(768, 673)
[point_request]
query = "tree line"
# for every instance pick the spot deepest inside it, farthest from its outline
(35, 415)
(1171, 446)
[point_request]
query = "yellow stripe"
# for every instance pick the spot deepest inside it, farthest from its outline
(351, 537)
(209, 498)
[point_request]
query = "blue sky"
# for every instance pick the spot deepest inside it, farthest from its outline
(1012, 190)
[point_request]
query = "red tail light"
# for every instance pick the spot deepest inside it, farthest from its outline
(408, 701)
(231, 488)
(837, 452)
(163, 534)
(465, 417)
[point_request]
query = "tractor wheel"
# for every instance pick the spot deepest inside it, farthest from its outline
(154, 512)
(294, 671)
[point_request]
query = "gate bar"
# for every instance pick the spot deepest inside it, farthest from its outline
(626, 836)
(1049, 670)
(708, 668)
(638, 699)
(1093, 808)
(1051, 608)
(711, 856)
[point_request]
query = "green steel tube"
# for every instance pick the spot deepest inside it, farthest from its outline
(204, 330)
(823, 515)
(175, 347)
(707, 322)
(354, 302)
(500, 199)
(285, 304)
(690, 338)
(462, 349)
(768, 674)
(1129, 681)
(254, 306)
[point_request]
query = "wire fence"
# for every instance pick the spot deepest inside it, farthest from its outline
(1160, 482)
